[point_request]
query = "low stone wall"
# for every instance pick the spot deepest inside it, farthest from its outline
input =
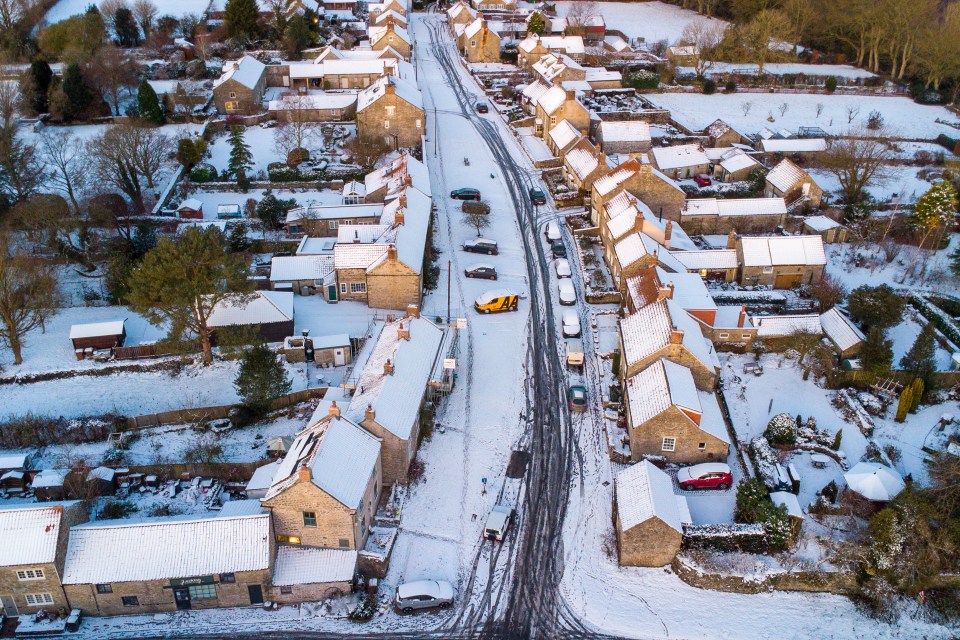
(200, 414)
(808, 581)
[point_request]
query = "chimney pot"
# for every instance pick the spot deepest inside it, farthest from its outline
(413, 311)
(743, 317)
(392, 255)
(334, 410)
(732, 239)
(388, 367)
(403, 332)
(370, 414)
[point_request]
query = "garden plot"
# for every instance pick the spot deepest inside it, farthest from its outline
(905, 334)
(649, 21)
(868, 265)
(903, 117)
(902, 185)
(304, 197)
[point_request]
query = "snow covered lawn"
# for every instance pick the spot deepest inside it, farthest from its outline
(901, 185)
(783, 68)
(650, 21)
(905, 118)
(212, 199)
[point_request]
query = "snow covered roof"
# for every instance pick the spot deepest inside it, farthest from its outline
(101, 473)
(563, 134)
(313, 100)
(475, 27)
(357, 256)
(766, 251)
(566, 44)
(711, 420)
(840, 329)
(459, 8)
(411, 236)
(340, 456)
(689, 290)
(360, 233)
(311, 565)
(616, 43)
(259, 307)
(625, 131)
(788, 500)
(734, 207)
(328, 342)
(821, 223)
(534, 90)
(684, 155)
(247, 71)
(785, 175)
(630, 249)
(29, 533)
(782, 326)
(649, 329)
(190, 203)
(49, 478)
(236, 508)
(581, 160)
(391, 14)
(793, 145)
(738, 162)
(378, 33)
(707, 259)
(315, 246)
(263, 477)
(396, 397)
(645, 492)
(624, 172)
(658, 387)
(552, 99)
(394, 176)
(334, 212)
(96, 329)
(289, 268)
(599, 74)
(164, 548)
(13, 461)
(405, 89)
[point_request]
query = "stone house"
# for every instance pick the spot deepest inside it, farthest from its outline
(731, 165)
(239, 91)
(315, 106)
(326, 490)
(312, 574)
(375, 9)
(681, 161)
(460, 13)
(479, 43)
(626, 137)
(661, 194)
(583, 164)
(562, 138)
(667, 416)
(301, 274)
(557, 68)
(686, 289)
(389, 181)
(721, 134)
(494, 5)
(391, 36)
(664, 330)
(392, 387)
(390, 16)
(649, 516)
(556, 105)
(534, 47)
(793, 184)
(731, 326)
(781, 262)
(391, 111)
(720, 265)
(34, 545)
(847, 338)
(723, 215)
(154, 565)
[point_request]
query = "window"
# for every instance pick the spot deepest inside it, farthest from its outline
(419, 124)
(386, 124)
(553, 120)
(744, 336)
(332, 224)
(203, 592)
(703, 273)
(343, 287)
(702, 446)
(723, 336)
(228, 578)
(391, 111)
(233, 95)
(358, 287)
(130, 601)
(288, 539)
(104, 588)
(286, 590)
(344, 543)
(295, 229)
(30, 574)
(36, 599)
(669, 444)
(309, 519)
(230, 106)
(473, 43)
(768, 269)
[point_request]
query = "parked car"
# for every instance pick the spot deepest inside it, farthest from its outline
(552, 231)
(568, 294)
(497, 523)
(423, 594)
(709, 475)
(558, 249)
(577, 397)
(482, 107)
(571, 324)
(482, 271)
(466, 193)
(537, 196)
(497, 301)
(481, 245)
(702, 180)
(575, 354)
(563, 267)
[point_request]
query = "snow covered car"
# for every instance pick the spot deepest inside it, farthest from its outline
(568, 294)
(481, 245)
(497, 523)
(709, 475)
(483, 271)
(571, 324)
(537, 196)
(423, 594)
(563, 267)
(558, 249)
(577, 396)
(552, 231)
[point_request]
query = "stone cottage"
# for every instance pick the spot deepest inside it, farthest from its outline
(239, 91)
(479, 43)
(558, 104)
(649, 516)
(781, 262)
(793, 184)
(392, 36)
(661, 194)
(391, 111)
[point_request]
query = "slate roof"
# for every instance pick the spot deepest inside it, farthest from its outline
(312, 565)
(840, 329)
(645, 492)
(767, 251)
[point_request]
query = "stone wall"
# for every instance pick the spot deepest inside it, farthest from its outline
(647, 439)
(809, 581)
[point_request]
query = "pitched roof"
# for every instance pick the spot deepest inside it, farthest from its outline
(785, 175)
(563, 134)
(312, 565)
(260, 307)
(840, 329)
(552, 99)
(780, 326)
(378, 33)
(707, 259)
(821, 223)
(684, 155)
(645, 492)
(658, 387)
(96, 329)
(625, 131)
(164, 548)
(332, 212)
(287, 268)
(648, 330)
(534, 90)
(730, 207)
(357, 256)
(566, 44)
(738, 162)
(630, 249)
(767, 251)
(582, 160)
(247, 71)
(29, 533)
(405, 89)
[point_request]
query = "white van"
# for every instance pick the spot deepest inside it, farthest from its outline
(574, 352)
(497, 523)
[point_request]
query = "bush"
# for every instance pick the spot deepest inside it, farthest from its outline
(875, 121)
(754, 507)
(831, 84)
(204, 172)
(642, 79)
(116, 509)
(782, 429)
(730, 86)
(261, 378)
(709, 87)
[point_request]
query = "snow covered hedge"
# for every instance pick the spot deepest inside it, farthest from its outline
(765, 460)
(41, 431)
(751, 538)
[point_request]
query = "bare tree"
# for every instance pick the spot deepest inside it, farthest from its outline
(126, 156)
(763, 37)
(297, 127)
(113, 74)
(12, 12)
(745, 107)
(783, 109)
(578, 17)
(857, 161)
(145, 12)
(477, 220)
(108, 9)
(819, 109)
(66, 159)
(366, 154)
(28, 296)
(705, 37)
(188, 24)
(853, 111)
(9, 106)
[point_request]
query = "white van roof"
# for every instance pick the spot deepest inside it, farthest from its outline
(498, 517)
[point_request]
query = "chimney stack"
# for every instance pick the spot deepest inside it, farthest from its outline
(413, 311)
(388, 367)
(571, 94)
(732, 239)
(370, 414)
(334, 410)
(743, 317)
(665, 293)
(304, 474)
(408, 180)
(389, 89)
(676, 336)
(667, 233)
(403, 200)
(398, 217)
(392, 254)
(403, 332)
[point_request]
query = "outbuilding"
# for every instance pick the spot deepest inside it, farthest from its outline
(49, 484)
(101, 481)
(649, 516)
(846, 337)
(97, 335)
(191, 209)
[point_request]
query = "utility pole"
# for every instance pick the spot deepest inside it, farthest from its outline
(449, 277)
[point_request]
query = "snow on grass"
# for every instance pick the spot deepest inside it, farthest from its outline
(902, 184)
(905, 334)
(784, 68)
(904, 118)
(843, 260)
(176, 8)
(651, 21)
(212, 199)
(261, 142)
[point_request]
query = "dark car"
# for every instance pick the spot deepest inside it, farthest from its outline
(482, 107)
(481, 245)
(702, 180)
(577, 396)
(709, 475)
(559, 251)
(537, 196)
(484, 271)
(465, 193)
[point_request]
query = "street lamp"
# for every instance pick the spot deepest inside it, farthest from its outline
(306, 365)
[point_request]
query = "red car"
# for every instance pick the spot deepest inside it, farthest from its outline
(702, 180)
(709, 475)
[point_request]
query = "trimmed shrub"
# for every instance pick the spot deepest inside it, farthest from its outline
(709, 87)
(204, 172)
(730, 86)
(782, 429)
(831, 84)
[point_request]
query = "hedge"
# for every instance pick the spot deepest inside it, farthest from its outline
(943, 322)
(751, 538)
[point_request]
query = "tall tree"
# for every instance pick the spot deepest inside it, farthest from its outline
(149, 104)
(20, 170)
(261, 378)
(241, 158)
(878, 306)
(78, 94)
(935, 210)
(877, 352)
(113, 74)
(704, 36)
(129, 157)
(241, 19)
(297, 36)
(858, 158)
(145, 12)
(65, 157)
(124, 25)
(763, 37)
(28, 296)
(536, 24)
(35, 83)
(920, 360)
(182, 280)
(272, 211)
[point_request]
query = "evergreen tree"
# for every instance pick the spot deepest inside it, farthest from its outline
(237, 240)
(148, 104)
(935, 208)
(536, 23)
(916, 393)
(128, 33)
(296, 36)
(241, 19)
(241, 157)
(272, 211)
(261, 378)
(920, 360)
(877, 352)
(878, 306)
(78, 94)
(41, 74)
(191, 150)
(903, 405)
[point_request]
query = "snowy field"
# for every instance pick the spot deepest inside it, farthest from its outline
(261, 142)
(783, 68)
(904, 118)
(651, 21)
(905, 334)
(176, 8)
(902, 184)
(875, 269)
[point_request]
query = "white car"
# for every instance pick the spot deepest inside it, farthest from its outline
(563, 267)
(571, 324)
(423, 594)
(552, 232)
(568, 295)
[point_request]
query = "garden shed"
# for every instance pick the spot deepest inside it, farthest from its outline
(97, 335)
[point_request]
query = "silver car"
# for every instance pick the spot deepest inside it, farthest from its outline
(423, 594)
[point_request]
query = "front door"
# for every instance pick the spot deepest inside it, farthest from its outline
(338, 358)
(256, 593)
(787, 280)
(182, 597)
(331, 293)
(9, 606)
